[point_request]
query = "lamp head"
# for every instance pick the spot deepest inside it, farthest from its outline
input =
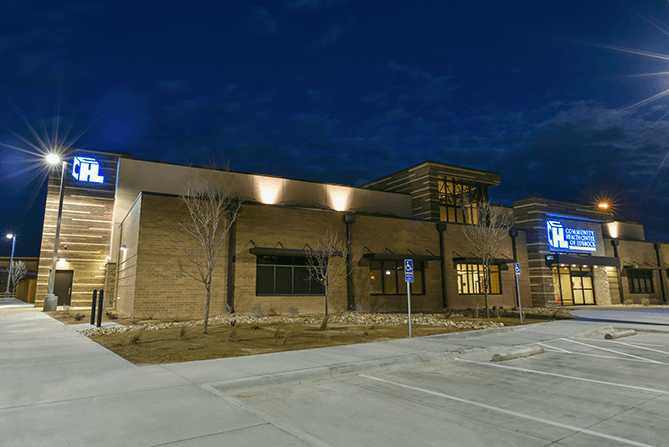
(53, 159)
(10, 235)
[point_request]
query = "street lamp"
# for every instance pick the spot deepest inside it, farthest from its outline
(11, 236)
(51, 300)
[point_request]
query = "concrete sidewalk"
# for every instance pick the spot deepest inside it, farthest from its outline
(638, 315)
(58, 387)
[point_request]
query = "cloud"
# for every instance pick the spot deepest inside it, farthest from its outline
(261, 21)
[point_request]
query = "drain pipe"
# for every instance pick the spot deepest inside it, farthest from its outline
(615, 243)
(658, 256)
(441, 229)
(232, 250)
(350, 297)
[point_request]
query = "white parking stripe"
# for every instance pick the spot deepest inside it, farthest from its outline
(600, 356)
(613, 351)
(564, 376)
(554, 348)
(645, 348)
(509, 412)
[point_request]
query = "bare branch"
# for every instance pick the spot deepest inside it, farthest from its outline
(212, 211)
(321, 268)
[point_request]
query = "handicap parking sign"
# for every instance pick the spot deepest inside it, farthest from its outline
(408, 270)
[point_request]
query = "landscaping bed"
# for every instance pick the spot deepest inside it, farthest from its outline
(238, 335)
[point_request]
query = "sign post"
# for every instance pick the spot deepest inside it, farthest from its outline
(516, 268)
(408, 278)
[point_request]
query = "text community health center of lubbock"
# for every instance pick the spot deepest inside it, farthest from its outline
(121, 231)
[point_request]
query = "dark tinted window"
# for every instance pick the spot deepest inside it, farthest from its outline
(285, 275)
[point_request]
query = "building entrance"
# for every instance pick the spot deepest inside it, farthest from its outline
(573, 285)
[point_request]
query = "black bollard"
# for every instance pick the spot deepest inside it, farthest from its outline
(93, 304)
(101, 300)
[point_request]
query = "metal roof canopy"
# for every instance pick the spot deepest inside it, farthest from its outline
(567, 259)
(474, 260)
(397, 256)
(274, 251)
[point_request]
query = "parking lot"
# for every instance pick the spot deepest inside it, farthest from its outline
(59, 388)
(582, 391)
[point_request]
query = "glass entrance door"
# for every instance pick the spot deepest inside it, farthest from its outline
(573, 285)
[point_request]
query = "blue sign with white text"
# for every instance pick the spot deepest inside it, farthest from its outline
(567, 237)
(87, 170)
(408, 270)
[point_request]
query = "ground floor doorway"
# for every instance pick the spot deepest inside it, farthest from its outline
(63, 287)
(573, 285)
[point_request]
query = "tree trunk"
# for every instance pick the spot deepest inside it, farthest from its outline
(326, 317)
(206, 309)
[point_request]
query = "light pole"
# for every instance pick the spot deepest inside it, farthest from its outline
(11, 236)
(51, 300)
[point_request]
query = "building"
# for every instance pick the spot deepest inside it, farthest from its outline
(122, 231)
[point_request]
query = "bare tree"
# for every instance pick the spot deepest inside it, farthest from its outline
(321, 268)
(212, 211)
(487, 238)
(19, 271)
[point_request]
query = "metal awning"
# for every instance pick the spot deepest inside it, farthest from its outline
(473, 260)
(560, 258)
(399, 256)
(274, 251)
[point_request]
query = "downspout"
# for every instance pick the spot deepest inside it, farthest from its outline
(615, 243)
(513, 232)
(350, 297)
(232, 250)
(441, 228)
(658, 256)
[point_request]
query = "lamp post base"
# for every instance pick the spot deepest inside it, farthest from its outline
(50, 302)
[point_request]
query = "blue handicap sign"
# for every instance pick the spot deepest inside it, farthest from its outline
(408, 270)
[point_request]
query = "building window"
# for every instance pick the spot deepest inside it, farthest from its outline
(285, 275)
(387, 278)
(459, 202)
(470, 279)
(640, 281)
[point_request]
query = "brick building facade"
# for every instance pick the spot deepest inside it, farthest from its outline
(126, 235)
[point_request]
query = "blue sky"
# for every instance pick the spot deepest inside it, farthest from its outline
(346, 91)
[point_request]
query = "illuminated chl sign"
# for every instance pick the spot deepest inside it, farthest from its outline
(568, 238)
(86, 169)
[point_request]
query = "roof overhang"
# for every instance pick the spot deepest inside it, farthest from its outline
(399, 256)
(567, 259)
(474, 260)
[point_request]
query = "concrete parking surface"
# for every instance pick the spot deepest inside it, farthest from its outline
(59, 388)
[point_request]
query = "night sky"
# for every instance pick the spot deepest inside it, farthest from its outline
(346, 91)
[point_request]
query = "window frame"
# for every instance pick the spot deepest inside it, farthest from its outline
(398, 266)
(459, 201)
(473, 268)
(645, 281)
(292, 265)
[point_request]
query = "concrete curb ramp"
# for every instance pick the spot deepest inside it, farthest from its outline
(517, 353)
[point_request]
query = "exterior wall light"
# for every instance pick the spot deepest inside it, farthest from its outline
(268, 189)
(339, 197)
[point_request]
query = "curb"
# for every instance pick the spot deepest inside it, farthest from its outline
(330, 371)
(619, 334)
(526, 351)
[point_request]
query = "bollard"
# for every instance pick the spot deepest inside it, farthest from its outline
(101, 300)
(94, 302)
